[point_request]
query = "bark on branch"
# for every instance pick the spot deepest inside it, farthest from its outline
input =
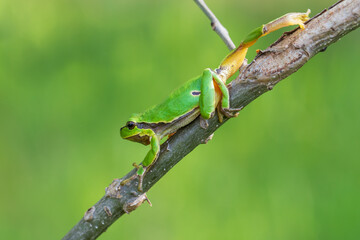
(281, 59)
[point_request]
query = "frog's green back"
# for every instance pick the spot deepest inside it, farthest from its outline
(181, 101)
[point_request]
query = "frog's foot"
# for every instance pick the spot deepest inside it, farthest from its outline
(140, 173)
(230, 112)
(287, 20)
(300, 18)
(204, 124)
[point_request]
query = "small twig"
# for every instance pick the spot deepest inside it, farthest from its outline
(216, 25)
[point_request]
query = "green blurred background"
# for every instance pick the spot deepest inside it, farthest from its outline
(73, 71)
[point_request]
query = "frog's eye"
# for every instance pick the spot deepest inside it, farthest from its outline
(130, 125)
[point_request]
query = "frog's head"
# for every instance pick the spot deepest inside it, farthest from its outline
(132, 131)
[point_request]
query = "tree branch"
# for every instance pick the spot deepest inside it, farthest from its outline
(216, 25)
(281, 59)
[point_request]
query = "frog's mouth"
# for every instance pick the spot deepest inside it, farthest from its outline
(145, 139)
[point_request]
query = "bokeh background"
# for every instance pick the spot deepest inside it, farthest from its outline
(73, 71)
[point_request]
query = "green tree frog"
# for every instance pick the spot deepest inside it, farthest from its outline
(199, 96)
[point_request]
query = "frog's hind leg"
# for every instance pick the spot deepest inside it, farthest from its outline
(235, 59)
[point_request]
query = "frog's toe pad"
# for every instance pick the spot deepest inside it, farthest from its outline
(231, 112)
(204, 124)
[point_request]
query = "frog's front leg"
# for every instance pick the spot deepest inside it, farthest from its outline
(149, 160)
